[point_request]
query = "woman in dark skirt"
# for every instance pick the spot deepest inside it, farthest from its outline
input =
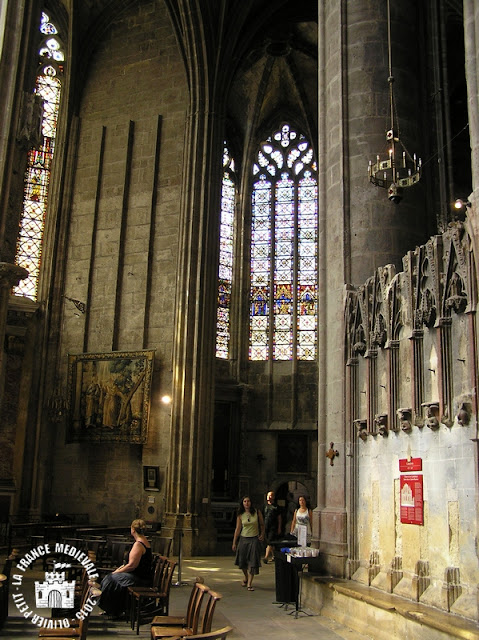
(249, 533)
(137, 571)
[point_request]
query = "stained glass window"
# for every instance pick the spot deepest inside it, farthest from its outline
(225, 273)
(37, 178)
(284, 239)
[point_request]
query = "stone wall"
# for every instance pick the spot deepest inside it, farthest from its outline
(122, 249)
(411, 373)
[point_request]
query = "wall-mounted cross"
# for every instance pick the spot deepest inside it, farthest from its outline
(331, 454)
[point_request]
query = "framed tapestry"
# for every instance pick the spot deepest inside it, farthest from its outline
(109, 396)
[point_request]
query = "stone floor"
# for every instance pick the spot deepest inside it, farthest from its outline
(252, 614)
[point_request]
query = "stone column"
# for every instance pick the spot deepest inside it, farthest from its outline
(471, 42)
(188, 511)
(359, 228)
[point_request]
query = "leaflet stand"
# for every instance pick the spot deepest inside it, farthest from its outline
(298, 562)
(298, 565)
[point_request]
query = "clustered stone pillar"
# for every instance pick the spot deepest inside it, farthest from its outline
(188, 512)
(358, 225)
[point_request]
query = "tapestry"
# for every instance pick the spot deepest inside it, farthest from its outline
(109, 396)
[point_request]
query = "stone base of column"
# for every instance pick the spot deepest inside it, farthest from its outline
(196, 534)
(332, 528)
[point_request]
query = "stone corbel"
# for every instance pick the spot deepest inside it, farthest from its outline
(405, 416)
(464, 411)
(420, 580)
(395, 574)
(374, 566)
(361, 428)
(457, 299)
(359, 347)
(381, 421)
(451, 587)
(11, 274)
(464, 414)
(432, 413)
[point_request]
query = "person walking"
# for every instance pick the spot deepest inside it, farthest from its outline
(248, 535)
(272, 524)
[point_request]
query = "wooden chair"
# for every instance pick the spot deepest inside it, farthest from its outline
(146, 602)
(161, 545)
(97, 546)
(78, 628)
(116, 552)
(219, 634)
(78, 633)
(213, 598)
(192, 617)
(165, 631)
(158, 568)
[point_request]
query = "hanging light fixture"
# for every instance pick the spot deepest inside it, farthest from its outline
(399, 169)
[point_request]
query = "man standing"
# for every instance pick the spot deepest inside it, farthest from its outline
(272, 523)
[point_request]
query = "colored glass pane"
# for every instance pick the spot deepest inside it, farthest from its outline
(225, 268)
(283, 314)
(37, 177)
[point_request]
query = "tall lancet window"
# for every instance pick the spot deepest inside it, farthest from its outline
(225, 272)
(37, 177)
(284, 245)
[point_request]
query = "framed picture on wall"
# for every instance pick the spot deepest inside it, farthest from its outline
(109, 396)
(151, 478)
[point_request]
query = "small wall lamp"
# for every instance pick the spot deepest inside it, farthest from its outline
(166, 399)
(461, 204)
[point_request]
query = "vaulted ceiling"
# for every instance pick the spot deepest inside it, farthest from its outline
(267, 51)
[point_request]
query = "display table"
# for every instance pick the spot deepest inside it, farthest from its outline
(289, 575)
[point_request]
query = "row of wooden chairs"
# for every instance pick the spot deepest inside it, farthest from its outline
(167, 626)
(110, 552)
(146, 602)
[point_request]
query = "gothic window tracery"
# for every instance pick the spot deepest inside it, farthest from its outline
(37, 177)
(283, 294)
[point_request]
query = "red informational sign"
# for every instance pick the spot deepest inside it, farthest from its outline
(413, 464)
(411, 501)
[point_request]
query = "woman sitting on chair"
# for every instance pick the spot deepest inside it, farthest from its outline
(137, 571)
